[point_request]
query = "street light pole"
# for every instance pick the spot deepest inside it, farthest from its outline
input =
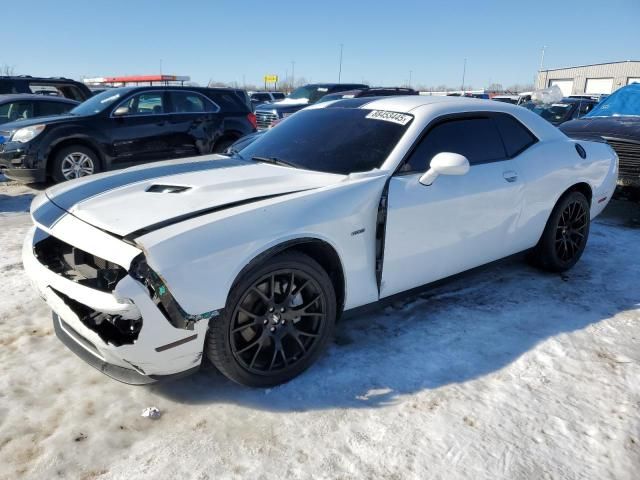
(464, 71)
(293, 74)
(542, 66)
(340, 68)
(410, 75)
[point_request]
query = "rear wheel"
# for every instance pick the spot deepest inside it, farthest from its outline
(565, 235)
(278, 319)
(221, 145)
(74, 162)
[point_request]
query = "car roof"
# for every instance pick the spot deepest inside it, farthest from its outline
(14, 97)
(404, 104)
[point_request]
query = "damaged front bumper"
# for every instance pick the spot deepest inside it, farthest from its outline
(122, 331)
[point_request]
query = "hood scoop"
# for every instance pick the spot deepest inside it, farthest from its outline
(167, 189)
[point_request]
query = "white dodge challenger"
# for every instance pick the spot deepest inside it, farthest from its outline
(251, 259)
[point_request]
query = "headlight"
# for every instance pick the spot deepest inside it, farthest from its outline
(26, 134)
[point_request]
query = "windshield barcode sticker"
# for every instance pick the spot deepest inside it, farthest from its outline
(399, 118)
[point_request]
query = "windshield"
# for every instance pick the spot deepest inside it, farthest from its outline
(554, 113)
(98, 103)
(622, 103)
(313, 94)
(333, 140)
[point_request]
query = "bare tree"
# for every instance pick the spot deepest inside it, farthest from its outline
(7, 70)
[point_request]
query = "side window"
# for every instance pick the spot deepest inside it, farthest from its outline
(516, 136)
(261, 97)
(17, 111)
(189, 102)
(228, 102)
(475, 138)
(148, 103)
(52, 108)
(278, 95)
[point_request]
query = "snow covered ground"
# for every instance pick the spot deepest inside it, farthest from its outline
(507, 373)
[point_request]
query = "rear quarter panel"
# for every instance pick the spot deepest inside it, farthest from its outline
(550, 168)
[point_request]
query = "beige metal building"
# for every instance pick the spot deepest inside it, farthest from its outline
(596, 78)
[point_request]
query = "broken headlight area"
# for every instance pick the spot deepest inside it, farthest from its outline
(162, 297)
(77, 265)
(112, 329)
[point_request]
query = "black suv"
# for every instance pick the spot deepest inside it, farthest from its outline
(56, 86)
(121, 127)
(298, 99)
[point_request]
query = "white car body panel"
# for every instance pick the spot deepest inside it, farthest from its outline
(202, 238)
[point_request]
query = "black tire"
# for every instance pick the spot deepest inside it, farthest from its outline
(565, 235)
(86, 159)
(272, 329)
(221, 145)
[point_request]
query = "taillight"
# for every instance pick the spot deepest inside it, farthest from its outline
(252, 118)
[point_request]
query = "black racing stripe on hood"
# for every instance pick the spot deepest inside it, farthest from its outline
(87, 190)
(198, 213)
(48, 214)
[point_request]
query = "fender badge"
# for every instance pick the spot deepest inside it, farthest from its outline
(357, 232)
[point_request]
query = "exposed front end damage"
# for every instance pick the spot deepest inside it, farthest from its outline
(115, 313)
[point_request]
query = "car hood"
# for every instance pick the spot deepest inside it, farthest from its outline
(594, 127)
(137, 200)
(15, 125)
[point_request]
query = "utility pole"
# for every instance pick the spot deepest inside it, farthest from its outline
(464, 71)
(340, 68)
(541, 67)
(542, 58)
(410, 75)
(293, 74)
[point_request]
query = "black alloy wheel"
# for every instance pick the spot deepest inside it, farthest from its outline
(571, 231)
(278, 319)
(277, 322)
(565, 235)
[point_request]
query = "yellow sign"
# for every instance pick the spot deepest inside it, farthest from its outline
(271, 78)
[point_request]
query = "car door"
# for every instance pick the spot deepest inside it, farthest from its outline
(193, 120)
(140, 134)
(457, 222)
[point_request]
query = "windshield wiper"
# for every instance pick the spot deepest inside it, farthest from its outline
(274, 161)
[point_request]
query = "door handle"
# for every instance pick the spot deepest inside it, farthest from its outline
(510, 176)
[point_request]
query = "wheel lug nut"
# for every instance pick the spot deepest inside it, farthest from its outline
(273, 329)
(282, 310)
(265, 321)
(271, 309)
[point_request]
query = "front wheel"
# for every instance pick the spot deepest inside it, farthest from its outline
(74, 162)
(278, 319)
(565, 235)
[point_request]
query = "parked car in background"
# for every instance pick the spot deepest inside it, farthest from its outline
(54, 86)
(251, 260)
(265, 97)
(512, 99)
(24, 106)
(122, 127)
(562, 111)
(369, 92)
(598, 97)
(298, 99)
(616, 120)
